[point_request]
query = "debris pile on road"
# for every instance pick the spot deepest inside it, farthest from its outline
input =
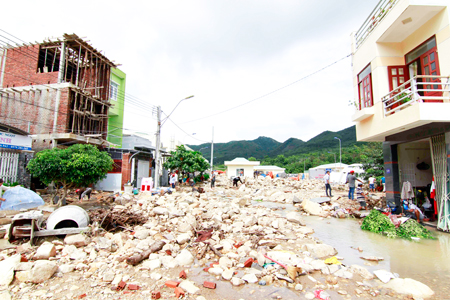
(165, 246)
(118, 217)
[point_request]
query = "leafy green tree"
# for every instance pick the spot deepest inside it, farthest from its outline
(186, 161)
(252, 159)
(372, 160)
(76, 166)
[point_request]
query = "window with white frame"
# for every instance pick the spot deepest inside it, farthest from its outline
(113, 90)
(365, 88)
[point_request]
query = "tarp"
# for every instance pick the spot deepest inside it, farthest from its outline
(19, 198)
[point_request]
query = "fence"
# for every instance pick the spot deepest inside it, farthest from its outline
(9, 163)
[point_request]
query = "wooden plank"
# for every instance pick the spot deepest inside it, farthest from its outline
(61, 231)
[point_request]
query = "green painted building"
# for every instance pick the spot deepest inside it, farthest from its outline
(116, 111)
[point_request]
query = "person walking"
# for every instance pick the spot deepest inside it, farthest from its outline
(326, 179)
(213, 179)
(351, 178)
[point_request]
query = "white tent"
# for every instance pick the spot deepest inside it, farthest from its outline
(338, 172)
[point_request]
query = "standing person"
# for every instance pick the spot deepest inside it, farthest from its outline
(372, 183)
(326, 179)
(172, 181)
(175, 174)
(382, 182)
(213, 179)
(351, 178)
(361, 197)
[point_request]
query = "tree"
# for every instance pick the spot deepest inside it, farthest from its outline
(76, 166)
(252, 159)
(372, 160)
(186, 161)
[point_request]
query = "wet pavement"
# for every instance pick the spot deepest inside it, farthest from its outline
(425, 260)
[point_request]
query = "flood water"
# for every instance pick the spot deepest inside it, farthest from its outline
(427, 261)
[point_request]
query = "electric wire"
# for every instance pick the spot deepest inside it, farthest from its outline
(270, 93)
(33, 55)
(184, 131)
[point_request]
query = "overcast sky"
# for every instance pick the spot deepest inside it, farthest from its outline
(225, 53)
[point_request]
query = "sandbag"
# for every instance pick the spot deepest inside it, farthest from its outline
(19, 198)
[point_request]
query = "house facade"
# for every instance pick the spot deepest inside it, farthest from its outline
(15, 153)
(132, 162)
(241, 167)
(116, 111)
(57, 91)
(401, 68)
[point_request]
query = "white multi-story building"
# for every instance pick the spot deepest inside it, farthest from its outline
(401, 68)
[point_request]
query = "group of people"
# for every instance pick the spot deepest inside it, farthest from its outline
(352, 180)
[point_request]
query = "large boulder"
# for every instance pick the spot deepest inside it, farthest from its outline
(363, 272)
(295, 217)
(408, 286)
(42, 270)
(7, 268)
(45, 251)
(184, 258)
(78, 240)
(321, 250)
(311, 207)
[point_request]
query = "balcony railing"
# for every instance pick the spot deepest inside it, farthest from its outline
(375, 17)
(414, 90)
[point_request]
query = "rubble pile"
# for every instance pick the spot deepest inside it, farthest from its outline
(117, 217)
(164, 244)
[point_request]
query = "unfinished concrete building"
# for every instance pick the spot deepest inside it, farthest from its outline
(57, 91)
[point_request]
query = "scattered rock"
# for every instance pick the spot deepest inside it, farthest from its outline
(78, 240)
(321, 250)
(45, 251)
(408, 286)
(42, 270)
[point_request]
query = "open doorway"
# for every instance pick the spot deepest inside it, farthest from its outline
(416, 167)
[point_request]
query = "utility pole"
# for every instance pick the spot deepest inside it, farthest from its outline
(158, 138)
(158, 143)
(212, 150)
(340, 153)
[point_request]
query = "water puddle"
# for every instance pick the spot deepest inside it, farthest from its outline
(426, 260)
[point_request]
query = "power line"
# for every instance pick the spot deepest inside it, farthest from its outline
(185, 131)
(33, 55)
(270, 93)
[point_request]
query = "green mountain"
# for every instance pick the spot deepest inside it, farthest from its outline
(265, 146)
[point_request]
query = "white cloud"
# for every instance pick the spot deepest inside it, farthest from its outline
(225, 53)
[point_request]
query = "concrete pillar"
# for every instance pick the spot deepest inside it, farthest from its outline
(391, 174)
(126, 168)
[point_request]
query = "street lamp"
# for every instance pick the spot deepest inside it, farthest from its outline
(340, 153)
(334, 156)
(158, 138)
(304, 167)
(184, 137)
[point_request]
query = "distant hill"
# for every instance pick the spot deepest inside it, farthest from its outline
(265, 146)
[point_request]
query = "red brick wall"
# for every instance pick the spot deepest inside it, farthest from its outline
(126, 168)
(21, 68)
(34, 111)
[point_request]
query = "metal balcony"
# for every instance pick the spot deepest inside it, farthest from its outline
(417, 89)
(379, 12)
